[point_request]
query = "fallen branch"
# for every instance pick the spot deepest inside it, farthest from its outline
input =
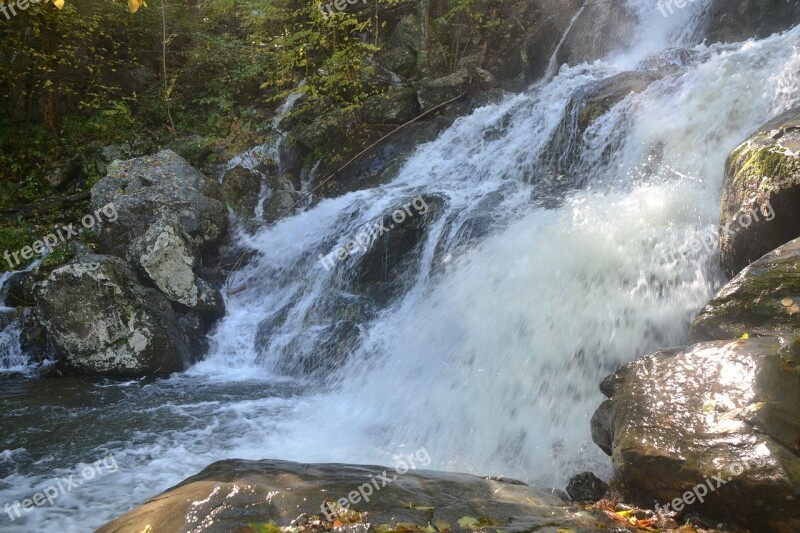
(368, 148)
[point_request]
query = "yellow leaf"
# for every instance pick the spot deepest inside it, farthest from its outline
(134, 5)
(58, 3)
(745, 336)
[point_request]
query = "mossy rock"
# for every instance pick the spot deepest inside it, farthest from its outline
(764, 299)
(241, 187)
(762, 176)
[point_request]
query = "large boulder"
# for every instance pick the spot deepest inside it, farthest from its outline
(101, 320)
(762, 182)
(167, 220)
(283, 496)
(141, 189)
(712, 428)
(763, 299)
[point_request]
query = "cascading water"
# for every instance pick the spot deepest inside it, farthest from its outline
(11, 356)
(535, 276)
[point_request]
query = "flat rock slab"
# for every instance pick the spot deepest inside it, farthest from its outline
(230, 495)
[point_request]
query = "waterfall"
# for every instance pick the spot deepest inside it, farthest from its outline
(545, 260)
(11, 357)
(529, 284)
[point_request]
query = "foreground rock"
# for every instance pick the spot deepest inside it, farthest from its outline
(101, 320)
(763, 299)
(715, 424)
(762, 183)
(230, 495)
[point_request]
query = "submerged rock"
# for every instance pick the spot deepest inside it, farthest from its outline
(762, 183)
(231, 495)
(112, 324)
(714, 428)
(763, 299)
(597, 98)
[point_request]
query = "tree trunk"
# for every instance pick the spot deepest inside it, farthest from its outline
(52, 103)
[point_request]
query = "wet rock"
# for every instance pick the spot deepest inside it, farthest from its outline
(762, 183)
(600, 29)
(33, 335)
(380, 271)
(278, 204)
(241, 187)
(602, 425)
(595, 101)
(393, 107)
(586, 487)
(432, 92)
(722, 415)
(380, 164)
(142, 189)
(112, 325)
(18, 288)
(229, 495)
(763, 299)
(195, 327)
(738, 20)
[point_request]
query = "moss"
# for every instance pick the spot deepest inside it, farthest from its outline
(772, 161)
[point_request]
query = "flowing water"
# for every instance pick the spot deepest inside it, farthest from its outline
(544, 265)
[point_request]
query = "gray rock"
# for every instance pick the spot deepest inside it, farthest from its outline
(762, 183)
(230, 495)
(729, 409)
(141, 189)
(763, 299)
(164, 255)
(98, 158)
(101, 320)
